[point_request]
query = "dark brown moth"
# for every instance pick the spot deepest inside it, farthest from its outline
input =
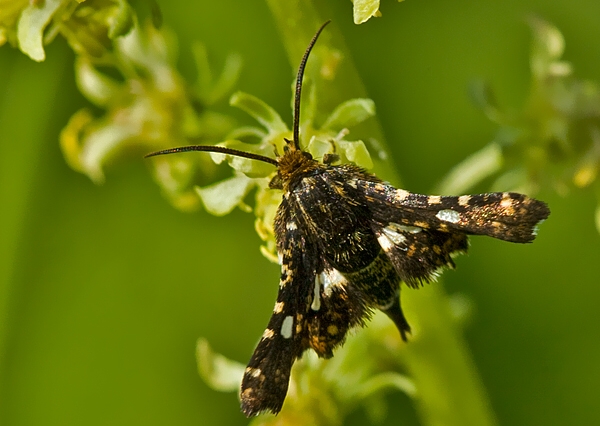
(346, 240)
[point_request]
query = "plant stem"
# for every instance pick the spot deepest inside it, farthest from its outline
(448, 387)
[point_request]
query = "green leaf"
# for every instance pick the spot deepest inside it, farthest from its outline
(349, 113)
(94, 85)
(258, 109)
(222, 197)
(472, 170)
(218, 372)
(122, 22)
(249, 167)
(100, 145)
(364, 10)
(208, 90)
(318, 148)
(31, 27)
(356, 152)
(227, 79)
(548, 47)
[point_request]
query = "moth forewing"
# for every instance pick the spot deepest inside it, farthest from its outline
(507, 216)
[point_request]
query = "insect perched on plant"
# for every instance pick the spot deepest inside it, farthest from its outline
(346, 240)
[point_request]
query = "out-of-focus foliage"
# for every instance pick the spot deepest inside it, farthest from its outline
(126, 67)
(553, 142)
(147, 107)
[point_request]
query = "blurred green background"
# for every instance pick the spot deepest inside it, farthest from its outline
(105, 289)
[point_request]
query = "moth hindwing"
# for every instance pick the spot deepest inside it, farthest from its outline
(346, 240)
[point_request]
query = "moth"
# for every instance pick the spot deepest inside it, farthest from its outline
(346, 240)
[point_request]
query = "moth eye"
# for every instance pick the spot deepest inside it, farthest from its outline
(307, 155)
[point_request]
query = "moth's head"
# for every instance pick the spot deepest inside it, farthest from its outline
(292, 164)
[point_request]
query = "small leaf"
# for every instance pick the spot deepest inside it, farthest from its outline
(218, 372)
(356, 152)
(222, 197)
(100, 145)
(249, 167)
(548, 47)
(349, 113)
(472, 170)
(94, 85)
(549, 39)
(364, 10)
(122, 22)
(31, 27)
(204, 78)
(388, 380)
(318, 148)
(258, 109)
(227, 79)
(70, 138)
(207, 90)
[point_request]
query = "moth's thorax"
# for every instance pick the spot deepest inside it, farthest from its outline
(294, 164)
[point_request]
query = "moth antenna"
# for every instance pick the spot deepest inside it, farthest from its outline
(296, 123)
(219, 149)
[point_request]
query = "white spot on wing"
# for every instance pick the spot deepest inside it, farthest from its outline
(401, 194)
(268, 334)
(506, 202)
(316, 303)
(385, 242)
(394, 236)
(330, 278)
(254, 372)
(287, 327)
(464, 200)
(291, 226)
(448, 216)
(405, 228)
(434, 199)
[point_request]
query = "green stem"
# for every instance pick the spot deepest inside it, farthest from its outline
(449, 390)
(448, 387)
